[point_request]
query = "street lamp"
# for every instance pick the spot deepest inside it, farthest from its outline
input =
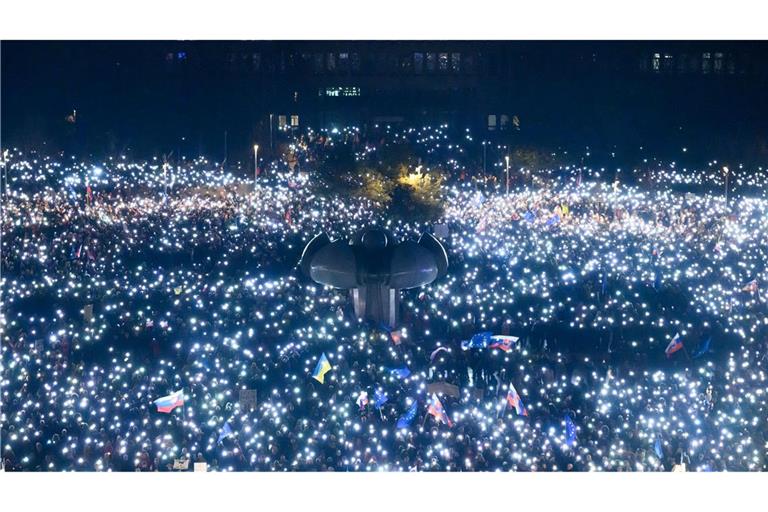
(726, 171)
(507, 159)
(255, 164)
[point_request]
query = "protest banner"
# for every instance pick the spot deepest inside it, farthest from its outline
(247, 399)
(443, 388)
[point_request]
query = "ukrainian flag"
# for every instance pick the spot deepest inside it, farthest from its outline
(323, 367)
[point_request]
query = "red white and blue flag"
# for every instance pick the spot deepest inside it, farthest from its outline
(514, 400)
(435, 408)
(674, 345)
(504, 343)
(750, 287)
(170, 402)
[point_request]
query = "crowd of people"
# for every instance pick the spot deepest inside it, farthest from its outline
(635, 317)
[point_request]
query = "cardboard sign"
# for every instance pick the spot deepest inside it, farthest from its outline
(181, 464)
(443, 388)
(201, 467)
(441, 230)
(247, 399)
(88, 313)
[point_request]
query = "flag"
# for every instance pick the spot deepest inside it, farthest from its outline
(503, 342)
(554, 220)
(323, 367)
(434, 353)
(400, 373)
(362, 399)
(674, 345)
(379, 398)
(702, 349)
(406, 419)
(657, 448)
(570, 431)
(435, 408)
(750, 287)
(514, 400)
(170, 402)
(224, 433)
(396, 335)
(479, 340)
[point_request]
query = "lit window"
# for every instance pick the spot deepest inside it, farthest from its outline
(335, 92)
(282, 122)
(181, 55)
(504, 122)
(718, 67)
(656, 61)
(456, 62)
(344, 61)
(431, 59)
(491, 121)
(443, 62)
(294, 121)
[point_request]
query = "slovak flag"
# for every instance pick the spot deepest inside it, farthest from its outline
(515, 401)
(674, 345)
(503, 342)
(170, 402)
(435, 408)
(750, 287)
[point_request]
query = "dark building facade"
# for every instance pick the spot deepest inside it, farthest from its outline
(156, 96)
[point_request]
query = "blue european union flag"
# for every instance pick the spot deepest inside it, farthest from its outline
(570, 431)
(479, 340)
(406, 419)
(703, 348)
(225, 432)
(379, 398)
(529, 216)
(400, 373)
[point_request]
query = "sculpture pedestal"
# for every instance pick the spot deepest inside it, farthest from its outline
(378, 303)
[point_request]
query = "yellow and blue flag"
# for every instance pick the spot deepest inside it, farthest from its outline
(323, 367)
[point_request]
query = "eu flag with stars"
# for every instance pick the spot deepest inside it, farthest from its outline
(379, 398)
(406, 419)
(570, 431)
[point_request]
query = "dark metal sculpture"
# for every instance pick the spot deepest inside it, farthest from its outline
(374, 268)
